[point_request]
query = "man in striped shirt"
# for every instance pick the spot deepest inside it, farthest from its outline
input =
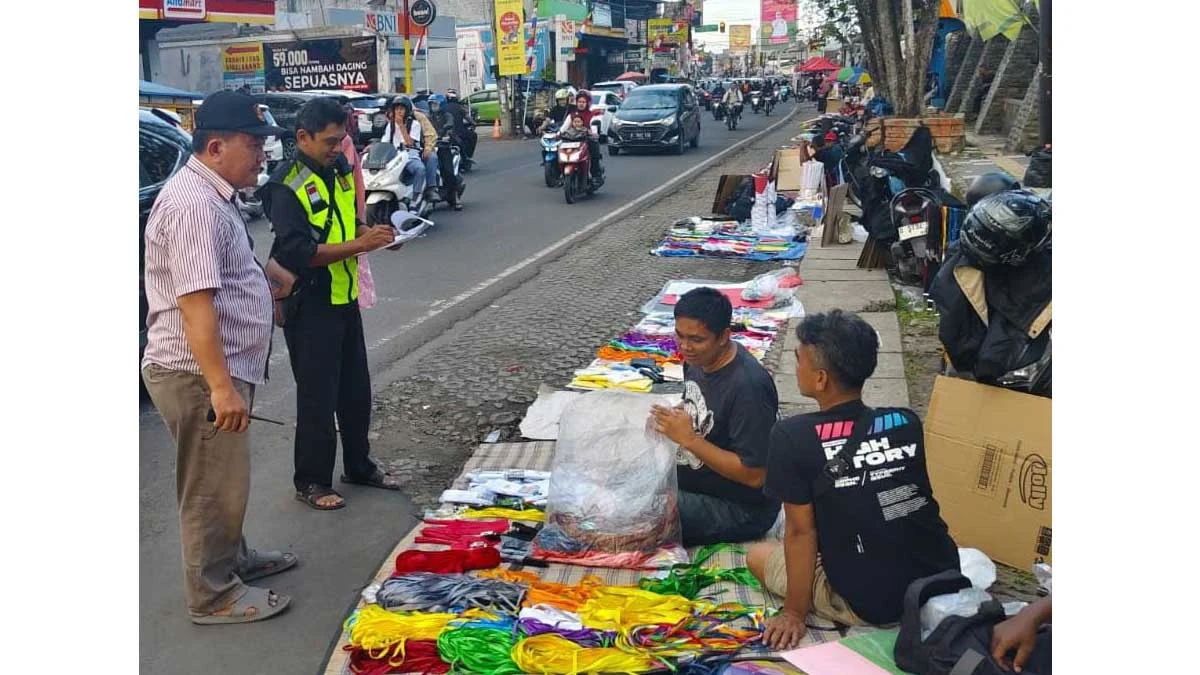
(209, 336)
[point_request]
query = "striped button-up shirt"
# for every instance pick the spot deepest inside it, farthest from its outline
(196, 239)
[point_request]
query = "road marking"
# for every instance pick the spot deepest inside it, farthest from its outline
(600, 222)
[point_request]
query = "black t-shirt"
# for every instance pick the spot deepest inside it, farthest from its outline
(742, 398)
(878, 529)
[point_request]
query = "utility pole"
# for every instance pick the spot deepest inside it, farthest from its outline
(1044, 38)
(408, 79)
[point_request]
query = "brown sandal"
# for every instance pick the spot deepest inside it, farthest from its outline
(312, 493)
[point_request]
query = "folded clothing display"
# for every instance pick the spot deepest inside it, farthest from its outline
(683, 243)
(611, 376)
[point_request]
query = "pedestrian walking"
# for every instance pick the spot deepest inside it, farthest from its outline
(311, 203)
(209, 325)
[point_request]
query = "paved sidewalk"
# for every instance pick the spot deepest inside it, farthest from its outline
(832, 280)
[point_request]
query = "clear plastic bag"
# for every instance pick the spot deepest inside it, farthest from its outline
(614, 497)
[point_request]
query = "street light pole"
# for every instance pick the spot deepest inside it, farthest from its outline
(1044, 38)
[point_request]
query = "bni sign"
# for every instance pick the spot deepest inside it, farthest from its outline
(184, 9)
(384, 23)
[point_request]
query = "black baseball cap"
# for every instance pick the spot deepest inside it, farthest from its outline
(234, 111)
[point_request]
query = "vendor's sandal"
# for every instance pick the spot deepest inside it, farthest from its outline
(313, 494)
(262, 564)
(379, 479)
(257, 604)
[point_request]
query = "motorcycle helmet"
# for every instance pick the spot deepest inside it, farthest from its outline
(562, 95)
(436, 101)
(402, 102)
(451, 95)
(1005, 228)
(990, 184)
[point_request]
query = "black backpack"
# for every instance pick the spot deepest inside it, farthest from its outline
(960, 645)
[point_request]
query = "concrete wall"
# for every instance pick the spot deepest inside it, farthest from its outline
(1016, 69)
(966, 70)
(957, 45)
(993, 54)
(1024, 134)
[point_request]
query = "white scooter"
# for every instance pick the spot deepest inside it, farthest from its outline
(388, 185)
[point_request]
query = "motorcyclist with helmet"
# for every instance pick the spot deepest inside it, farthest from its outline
(556, 115)
(732, 100)
(410, 128)
(583, 110)
(464, 126)
(445, 124)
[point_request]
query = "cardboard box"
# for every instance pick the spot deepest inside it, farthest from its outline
(988, 453)
(727, 189)
(787, 171)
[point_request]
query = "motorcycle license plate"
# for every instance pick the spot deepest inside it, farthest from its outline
(914, 230)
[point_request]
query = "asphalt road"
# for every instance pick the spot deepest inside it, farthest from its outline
(509, 216)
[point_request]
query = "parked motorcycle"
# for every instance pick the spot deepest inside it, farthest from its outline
(550, 168)
(575, 158)
(913, 210)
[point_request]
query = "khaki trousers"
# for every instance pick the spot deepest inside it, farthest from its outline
(212, 483)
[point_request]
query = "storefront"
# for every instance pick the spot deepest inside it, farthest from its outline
(154, 15)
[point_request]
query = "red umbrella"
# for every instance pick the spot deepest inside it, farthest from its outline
(631, 75)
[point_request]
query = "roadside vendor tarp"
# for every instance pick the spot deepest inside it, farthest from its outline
(155, 90)
(989, 18)
(817, 64)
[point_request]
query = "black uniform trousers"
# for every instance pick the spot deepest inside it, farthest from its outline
(329, 361)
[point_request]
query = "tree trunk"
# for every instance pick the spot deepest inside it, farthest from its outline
(899, 74)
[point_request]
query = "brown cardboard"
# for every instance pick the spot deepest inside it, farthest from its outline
(727, 189)
(834, 205)
(786, 170)
(988, 453)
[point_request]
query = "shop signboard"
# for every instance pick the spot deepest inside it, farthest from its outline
(242, 65)
(384, 23)
(666, 32)
(778, 20)
(739, 38)
(633, 57)
(510, 48)
(635, 32)
(188, 10)
(345, 63)
(422, 12)
(601, 15)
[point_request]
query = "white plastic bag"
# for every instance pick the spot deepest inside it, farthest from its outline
(614, 499)
(977, 567)
(858, 232)
(981, 571)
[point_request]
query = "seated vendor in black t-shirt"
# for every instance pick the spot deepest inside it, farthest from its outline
(722, 428)
(852, 544)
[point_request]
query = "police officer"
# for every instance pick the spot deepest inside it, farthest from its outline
(318, 237)
(445, 123)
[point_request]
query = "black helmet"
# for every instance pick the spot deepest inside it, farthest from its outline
(403, 102)
(990, 184)
(1005, 228)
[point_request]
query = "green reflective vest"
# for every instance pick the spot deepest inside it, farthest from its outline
(339, 221)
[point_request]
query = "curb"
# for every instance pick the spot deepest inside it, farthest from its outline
(418, 332)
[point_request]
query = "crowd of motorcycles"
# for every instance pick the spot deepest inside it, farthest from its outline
(991, 286)
(761, 101)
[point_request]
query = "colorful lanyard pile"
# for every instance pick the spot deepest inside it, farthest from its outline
(623, 609)
(383, 634)
(551, 654)
(563, 596)
(418, 656)
(429, 591)
(486, 651)
(690, 579)
(528, 515)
